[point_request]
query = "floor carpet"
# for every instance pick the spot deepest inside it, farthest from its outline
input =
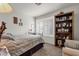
(49, 50)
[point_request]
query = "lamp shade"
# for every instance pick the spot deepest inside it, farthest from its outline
(5, 8)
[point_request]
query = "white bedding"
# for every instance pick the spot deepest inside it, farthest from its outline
(27, 36)
(21, 44)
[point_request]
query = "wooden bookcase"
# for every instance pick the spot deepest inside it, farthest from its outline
(63, 28)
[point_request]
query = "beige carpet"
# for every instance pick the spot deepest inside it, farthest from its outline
(49, 50)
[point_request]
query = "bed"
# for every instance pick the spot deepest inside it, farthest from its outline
(22, 45)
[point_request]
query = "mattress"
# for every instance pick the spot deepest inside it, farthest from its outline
(22, 44)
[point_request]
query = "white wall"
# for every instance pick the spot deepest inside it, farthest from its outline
(15, 28)
(74, 8)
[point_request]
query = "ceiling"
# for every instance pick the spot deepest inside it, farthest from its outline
(32, 9)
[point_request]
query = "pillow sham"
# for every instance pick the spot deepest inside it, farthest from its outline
(8, 36)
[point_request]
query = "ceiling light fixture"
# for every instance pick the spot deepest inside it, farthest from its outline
(38, 4)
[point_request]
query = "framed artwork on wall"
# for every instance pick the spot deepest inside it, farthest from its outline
(20, 23)
(15, 20)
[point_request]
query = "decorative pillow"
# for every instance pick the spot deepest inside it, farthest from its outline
(8, 36)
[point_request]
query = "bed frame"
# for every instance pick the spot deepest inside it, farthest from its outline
(32, 50)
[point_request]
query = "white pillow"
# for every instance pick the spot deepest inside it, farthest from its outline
(7, 36)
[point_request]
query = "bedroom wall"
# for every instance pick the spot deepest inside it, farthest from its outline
(15, 29)
(74, 8)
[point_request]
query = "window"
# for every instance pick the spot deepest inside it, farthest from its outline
(39, 27)
(44, 27)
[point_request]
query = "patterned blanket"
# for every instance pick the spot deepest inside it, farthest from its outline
(21, 45)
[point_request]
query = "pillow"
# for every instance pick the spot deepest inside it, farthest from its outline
(8, 36)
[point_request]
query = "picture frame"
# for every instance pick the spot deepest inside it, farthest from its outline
(15, 20)
(20, 23)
